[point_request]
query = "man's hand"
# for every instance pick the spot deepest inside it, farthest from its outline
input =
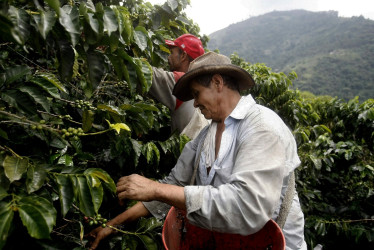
(136, 187)
(99, 234)
(132, 214)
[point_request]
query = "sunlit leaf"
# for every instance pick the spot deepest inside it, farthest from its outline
(69, 19)
(52, 79)
(47, 86)
(20, 19)
(141, 37)
(119, 126)
(110, 21)
(15, 167)
(144, 74)
(150, 151)
(45, 22)
(102, 175)
(66, 160)
(124, 23)
(55, 4)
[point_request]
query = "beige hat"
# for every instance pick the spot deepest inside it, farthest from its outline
(208, 63)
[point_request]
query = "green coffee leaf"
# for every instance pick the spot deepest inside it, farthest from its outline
(65, 191)
(45, 22)
(83, 195)
(38, 215)
(96, 190)
(6, 218)
(35, 178)
(15, 167)
(110, 21)
(102, 175)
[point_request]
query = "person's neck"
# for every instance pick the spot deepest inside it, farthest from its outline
(183, 67)
(228, 104)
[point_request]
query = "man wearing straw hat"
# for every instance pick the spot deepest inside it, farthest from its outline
(234, 176)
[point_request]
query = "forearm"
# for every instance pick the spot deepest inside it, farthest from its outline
(171, 194)
(131, 214)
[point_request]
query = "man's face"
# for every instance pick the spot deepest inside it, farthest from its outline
(174, 59)
(206, 99)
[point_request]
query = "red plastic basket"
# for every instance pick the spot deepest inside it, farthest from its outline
(178, 234)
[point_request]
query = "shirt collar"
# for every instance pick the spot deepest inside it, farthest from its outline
(242, 108)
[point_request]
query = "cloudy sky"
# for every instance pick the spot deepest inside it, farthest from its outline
(213, 15)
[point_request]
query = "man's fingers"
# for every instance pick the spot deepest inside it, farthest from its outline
(120, 188)
(124, 179)
(95, 244)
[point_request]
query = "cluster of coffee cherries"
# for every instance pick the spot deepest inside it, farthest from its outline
(83, 105)
(72, 133)
(38, 126)
(96, 220)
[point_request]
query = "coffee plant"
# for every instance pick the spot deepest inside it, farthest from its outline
(75, 116)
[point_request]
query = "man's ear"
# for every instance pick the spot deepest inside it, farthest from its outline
(217, 81)
(184, 56)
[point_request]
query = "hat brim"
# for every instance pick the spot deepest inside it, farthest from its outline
(170, 43)
(182, 88)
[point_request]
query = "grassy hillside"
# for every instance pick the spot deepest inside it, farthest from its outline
(331, 55)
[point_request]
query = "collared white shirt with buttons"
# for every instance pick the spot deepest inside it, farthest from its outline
(247, 183)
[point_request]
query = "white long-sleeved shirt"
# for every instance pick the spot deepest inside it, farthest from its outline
(247, 183)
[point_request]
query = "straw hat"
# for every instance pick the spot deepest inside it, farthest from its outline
(211, 63)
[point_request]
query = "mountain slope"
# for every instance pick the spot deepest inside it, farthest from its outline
(331, 55)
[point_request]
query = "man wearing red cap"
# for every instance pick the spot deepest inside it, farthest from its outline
(184, 117)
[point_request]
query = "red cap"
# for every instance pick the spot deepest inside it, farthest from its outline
(189, 43)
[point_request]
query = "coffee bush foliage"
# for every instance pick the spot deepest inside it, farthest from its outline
(75, 116)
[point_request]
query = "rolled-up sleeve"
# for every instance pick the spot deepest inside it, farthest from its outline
(252, 190)
(180, 175)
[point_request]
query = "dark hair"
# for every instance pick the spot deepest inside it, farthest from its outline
(229, 81)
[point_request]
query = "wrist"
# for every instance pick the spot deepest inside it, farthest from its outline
(157, 191)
